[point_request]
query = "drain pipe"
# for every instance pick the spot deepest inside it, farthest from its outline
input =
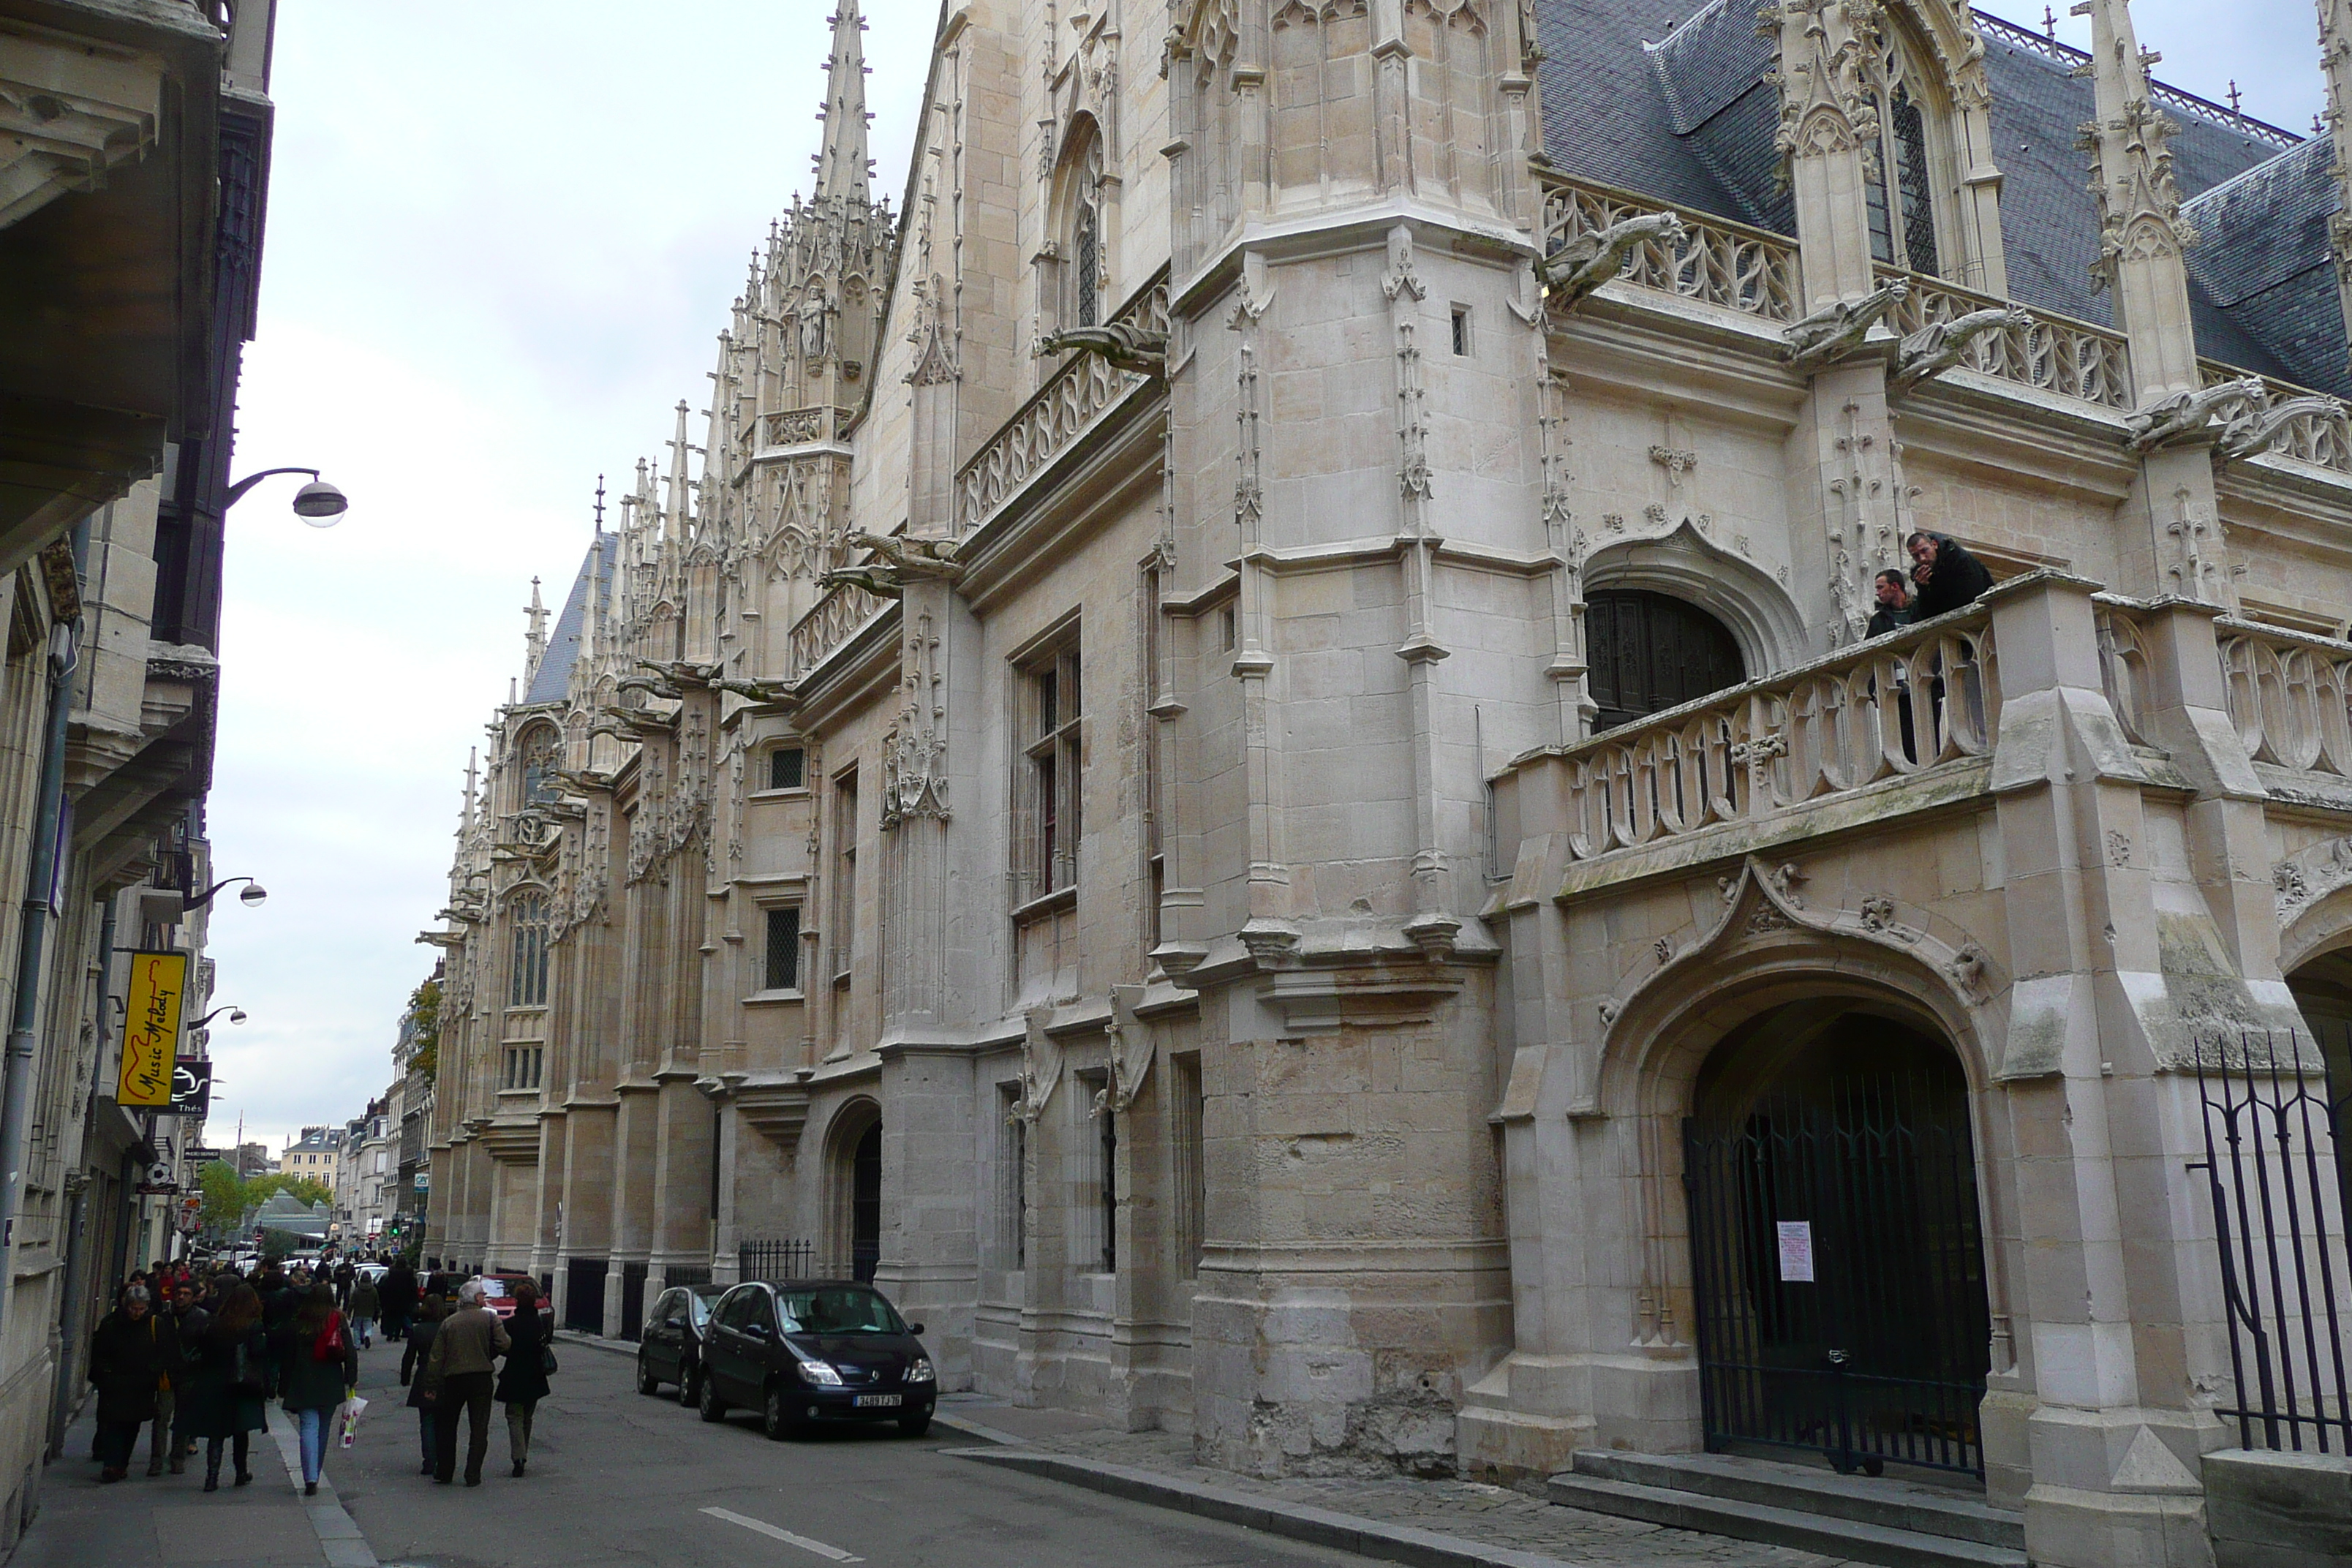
(16, 1088)
(77, 1223)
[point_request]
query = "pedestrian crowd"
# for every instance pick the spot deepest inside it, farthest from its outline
(196, 1356)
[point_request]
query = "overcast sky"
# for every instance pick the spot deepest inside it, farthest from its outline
(502, 238)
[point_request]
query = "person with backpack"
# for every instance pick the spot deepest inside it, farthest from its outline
(318, 1368)
(364, 1306)
(225, 1399)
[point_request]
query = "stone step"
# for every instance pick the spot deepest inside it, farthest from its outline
(1924, 1509)
(1844, 1539)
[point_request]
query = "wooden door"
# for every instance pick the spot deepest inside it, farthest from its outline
(1651, 651)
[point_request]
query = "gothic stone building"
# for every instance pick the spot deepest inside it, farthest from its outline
(1248, 769)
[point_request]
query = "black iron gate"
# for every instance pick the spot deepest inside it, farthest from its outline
(584, 1298)
(1838, 1263)
(2270, 1127)
(633, 1301)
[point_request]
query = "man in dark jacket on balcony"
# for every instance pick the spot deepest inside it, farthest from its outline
(1893, 611)
(1945, 575)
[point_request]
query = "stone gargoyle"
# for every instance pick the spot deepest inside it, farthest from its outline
(1836, 331)
(1933, 349)
(2187, 413)
(1129, 347)
(875, 577)
(2255, 428)
(1598, 255)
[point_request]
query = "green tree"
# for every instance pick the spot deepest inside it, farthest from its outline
(225, 1196)
(424, 1028)
(305, 1189)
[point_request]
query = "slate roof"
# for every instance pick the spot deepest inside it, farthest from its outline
(1684, 113)
(553, 682)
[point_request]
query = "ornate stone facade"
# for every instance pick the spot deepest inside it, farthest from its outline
(1087, 801)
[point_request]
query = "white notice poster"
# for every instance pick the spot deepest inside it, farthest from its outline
(1796, 1250)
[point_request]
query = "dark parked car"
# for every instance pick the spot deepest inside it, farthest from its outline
(811, 1351)
(671, 1351)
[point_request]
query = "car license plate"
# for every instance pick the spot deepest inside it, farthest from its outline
(877, 1400)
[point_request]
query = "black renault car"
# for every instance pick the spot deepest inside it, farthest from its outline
(671, 1347)
(807, 1352)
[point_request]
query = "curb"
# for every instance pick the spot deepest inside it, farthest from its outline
(972, 1428)
(595, 1342)
(1319, 1527)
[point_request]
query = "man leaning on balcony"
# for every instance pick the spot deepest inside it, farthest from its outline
(1945, 575)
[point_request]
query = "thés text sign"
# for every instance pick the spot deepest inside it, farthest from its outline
(151, 1028)
(192, 1086)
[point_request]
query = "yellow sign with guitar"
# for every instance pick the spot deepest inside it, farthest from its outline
(151, 1028)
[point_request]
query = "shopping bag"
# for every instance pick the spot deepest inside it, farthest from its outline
(347, 1419)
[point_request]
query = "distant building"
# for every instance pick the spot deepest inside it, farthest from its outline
(317, 1157)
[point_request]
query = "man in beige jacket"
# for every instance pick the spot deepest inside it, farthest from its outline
(460, 1362)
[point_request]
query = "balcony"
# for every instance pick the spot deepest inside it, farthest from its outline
(1894, 725)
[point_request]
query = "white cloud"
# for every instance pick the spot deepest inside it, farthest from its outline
(501, 240)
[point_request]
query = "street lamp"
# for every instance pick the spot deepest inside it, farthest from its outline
(235, 1015)
(317, 503)
(251, 897)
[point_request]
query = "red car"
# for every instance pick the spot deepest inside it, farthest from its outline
(498, 1292)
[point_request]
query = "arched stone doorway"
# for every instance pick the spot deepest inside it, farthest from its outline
(853, 1177)
(2322, 985)
(1836, 1245)
(1650, 651)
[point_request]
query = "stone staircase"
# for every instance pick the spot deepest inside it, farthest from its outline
(1898, 1524)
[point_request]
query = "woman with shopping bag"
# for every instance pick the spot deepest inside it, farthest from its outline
(318, 1368)
(522, 1381)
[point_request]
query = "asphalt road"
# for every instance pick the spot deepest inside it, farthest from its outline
(617, 1477)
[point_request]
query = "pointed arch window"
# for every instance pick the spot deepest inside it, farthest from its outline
(1088, 246)
(1903, 183)
(526, 977)
(542, 755)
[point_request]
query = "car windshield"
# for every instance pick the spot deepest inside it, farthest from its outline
(494, 1289)
(839, 1311)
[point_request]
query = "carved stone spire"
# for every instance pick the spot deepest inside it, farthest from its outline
(841, 164)
(535, 638)
(2335, 61)
(2142, 236)
(1823, 108)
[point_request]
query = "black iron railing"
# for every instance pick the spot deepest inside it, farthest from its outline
(2279, 1192)
(685, 1274)
(633, 1301)
(583, 1299)
(777, 1260)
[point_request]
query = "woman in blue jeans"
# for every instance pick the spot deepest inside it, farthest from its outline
(317, 1368)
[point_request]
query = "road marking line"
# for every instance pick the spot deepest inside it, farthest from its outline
(786, 1536)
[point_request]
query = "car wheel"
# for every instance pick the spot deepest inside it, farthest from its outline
(915, 1425)
(690, 1383)
(707, 1401)
(647, 1381)
(777, 1417)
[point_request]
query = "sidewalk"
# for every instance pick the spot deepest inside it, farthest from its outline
(1441, 1523)
(144, 1520)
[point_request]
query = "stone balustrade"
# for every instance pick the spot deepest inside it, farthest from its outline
(1716, 261)
(834, 619)
(1893, 707)
(2290, 696)
(2052, 354)
(1053, 418)
(797, 427)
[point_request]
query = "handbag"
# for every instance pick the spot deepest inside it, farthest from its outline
(546, 1359)
(245, 1375)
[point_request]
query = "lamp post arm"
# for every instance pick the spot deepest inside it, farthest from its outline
(236, 491)
(201, 899)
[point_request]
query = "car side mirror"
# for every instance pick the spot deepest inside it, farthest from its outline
(757, 1331)
(914, 1328)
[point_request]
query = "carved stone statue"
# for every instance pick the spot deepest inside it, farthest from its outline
(1830, 334)
(2253, 428)
(2187, 413)
(1129, 347)
(1931, 351)
(1596, 255)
